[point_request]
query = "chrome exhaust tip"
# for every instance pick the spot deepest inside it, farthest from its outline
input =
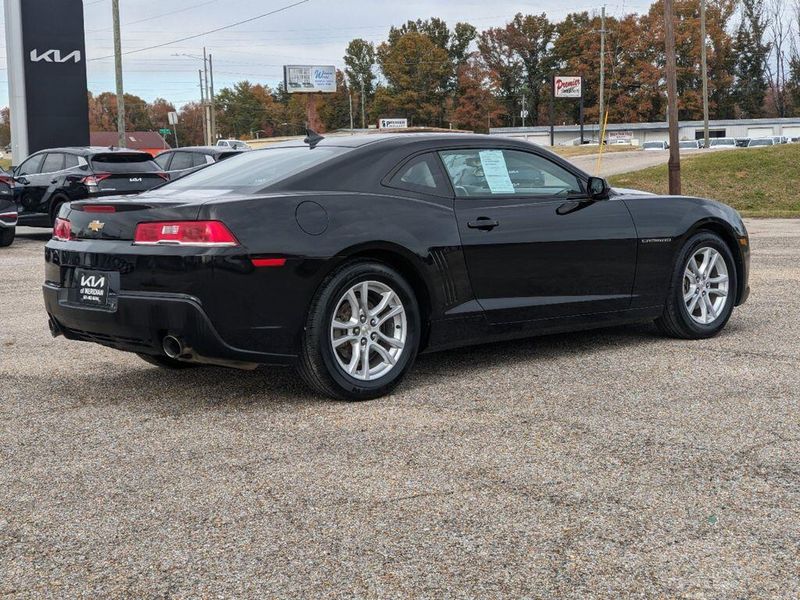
(172, 346)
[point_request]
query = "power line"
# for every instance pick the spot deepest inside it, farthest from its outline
(197, 35)
(174, 12)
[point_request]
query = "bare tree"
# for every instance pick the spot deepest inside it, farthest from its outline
(781, 40)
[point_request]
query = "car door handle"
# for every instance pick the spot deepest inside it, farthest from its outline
(54, 181)
(484, 223)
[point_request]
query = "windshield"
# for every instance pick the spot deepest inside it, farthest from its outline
(653, 145)
(252, 171)
(761, 142)
(688, 144)
(723, 142)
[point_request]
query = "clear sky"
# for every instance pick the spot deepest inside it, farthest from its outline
(314, 32)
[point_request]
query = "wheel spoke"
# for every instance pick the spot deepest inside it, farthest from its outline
(381, 306)
(690, 294)
(718, 292)
(693, 304)
(689, 274)
(720, 279)
(392, 313)
(384, 353)
(693, 267)
(344, 340)
(704, 265)
(712, 261)
(365, 360)
(710, 312)
(342, 325)
(703, 309)
(393, 342)
(353, 301)
(365, 297)
(352, 366)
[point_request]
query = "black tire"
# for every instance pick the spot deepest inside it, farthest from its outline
(165, 362)
(7, 236)
(55, 206)
(676, 321)
(317, 364)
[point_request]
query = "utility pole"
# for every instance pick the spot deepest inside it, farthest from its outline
(203, 106)
(206, 112)
(672, 99)
(704, 68)
(213, 105)
(602, 65)
(350, 98)
(363, 103)
(118, 72)
(522, 114)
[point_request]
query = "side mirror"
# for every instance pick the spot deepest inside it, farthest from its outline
(597, 188)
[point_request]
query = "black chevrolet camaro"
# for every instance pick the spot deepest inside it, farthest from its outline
(348, 256)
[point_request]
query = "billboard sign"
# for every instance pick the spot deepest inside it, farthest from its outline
(47, 75)
(619, 136)
(567, 87)
(309, 78)
(392, 123)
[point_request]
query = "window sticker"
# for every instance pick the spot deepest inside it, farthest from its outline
(496, 172)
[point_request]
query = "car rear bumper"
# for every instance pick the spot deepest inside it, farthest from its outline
(139, 322)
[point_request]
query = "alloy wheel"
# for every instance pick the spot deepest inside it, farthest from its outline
(705, 285)
(368, 330)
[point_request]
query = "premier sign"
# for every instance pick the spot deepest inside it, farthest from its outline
(392, 123)
(567, 87)
(45, 49)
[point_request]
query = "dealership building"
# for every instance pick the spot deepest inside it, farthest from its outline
(639, 133)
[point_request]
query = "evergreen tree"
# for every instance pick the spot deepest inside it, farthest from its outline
(752, 53)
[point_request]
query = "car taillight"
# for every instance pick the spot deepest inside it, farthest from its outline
(93, 180)
(62, 230)
(185, 233)
(99, 208)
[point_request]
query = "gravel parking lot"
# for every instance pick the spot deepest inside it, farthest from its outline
(601, 464)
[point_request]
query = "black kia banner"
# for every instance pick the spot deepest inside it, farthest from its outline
(54, 56)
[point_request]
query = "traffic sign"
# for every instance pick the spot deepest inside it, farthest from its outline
(165, 131)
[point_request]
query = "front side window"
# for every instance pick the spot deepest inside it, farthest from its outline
(495, 172)
(181, 161)
(32, 166)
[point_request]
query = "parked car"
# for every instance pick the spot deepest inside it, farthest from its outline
(722, 143)
(233, 144)
(49, 178)
(8, 220)
(690, 144)
(767, 141)
(348, 256)
(780, 139)
(655, 146)
(742, 142)
(182, 161)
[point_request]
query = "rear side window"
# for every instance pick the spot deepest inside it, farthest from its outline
(182, 160)
(119, 162)
(54, 162)
(163, 159)
(70, 161)
(421, 174)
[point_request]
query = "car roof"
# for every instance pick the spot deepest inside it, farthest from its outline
(203, 150)
(398, 140)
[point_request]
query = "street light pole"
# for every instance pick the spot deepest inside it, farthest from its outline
(118, 74)
(213, 105)
(363, 102)
(672, 99)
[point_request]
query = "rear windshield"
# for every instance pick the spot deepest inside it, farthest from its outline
(119, 162)
(252, 171)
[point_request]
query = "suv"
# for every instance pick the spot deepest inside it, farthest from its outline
(182, 161)
(48, 178)
(232, 144)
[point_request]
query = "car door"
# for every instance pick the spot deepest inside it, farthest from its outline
(27, 177)
(48, 180)
(536, 246)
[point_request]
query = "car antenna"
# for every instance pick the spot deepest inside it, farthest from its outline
(312, 138)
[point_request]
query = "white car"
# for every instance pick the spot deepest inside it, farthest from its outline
(232, 144)
(655, 146)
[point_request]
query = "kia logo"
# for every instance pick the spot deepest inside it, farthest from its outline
(55, 56)
(93, 281)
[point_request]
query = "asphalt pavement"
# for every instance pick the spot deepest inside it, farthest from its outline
(606, 464)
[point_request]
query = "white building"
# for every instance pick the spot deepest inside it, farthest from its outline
(639, 133)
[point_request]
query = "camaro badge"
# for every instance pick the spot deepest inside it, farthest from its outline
(96, 226)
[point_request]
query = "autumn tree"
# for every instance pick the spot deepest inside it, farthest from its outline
(334, 108)
(477, 107)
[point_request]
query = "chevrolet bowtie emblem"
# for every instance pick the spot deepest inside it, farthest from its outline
(96, 226)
